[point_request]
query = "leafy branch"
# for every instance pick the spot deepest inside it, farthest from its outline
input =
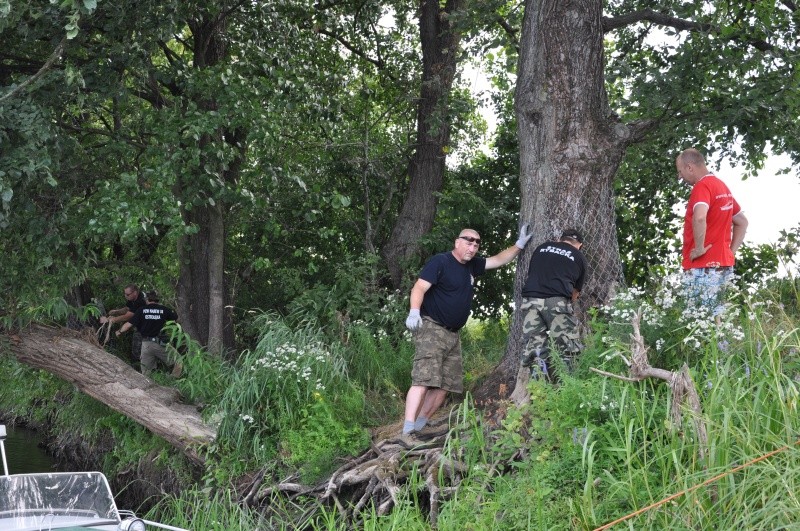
(680, 24)
(55, 56)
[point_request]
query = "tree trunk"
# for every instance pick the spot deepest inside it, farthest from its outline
(113, 382)
(426, 169)
(216, 282)
(196, 272)
(571, 145)
(202, 290)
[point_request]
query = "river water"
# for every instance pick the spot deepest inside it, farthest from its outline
(23, 453)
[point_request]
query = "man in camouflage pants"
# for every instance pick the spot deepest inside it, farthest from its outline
(555, 279)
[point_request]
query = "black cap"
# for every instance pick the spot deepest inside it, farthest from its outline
(572, 234)
(152, 296)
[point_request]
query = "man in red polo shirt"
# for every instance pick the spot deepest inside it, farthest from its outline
(713, 229)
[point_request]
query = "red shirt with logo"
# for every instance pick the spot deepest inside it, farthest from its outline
(719, 223)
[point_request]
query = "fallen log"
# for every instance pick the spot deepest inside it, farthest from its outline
(76, 359)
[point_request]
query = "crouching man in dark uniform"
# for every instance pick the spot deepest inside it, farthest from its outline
(149, 321)
(555, 278)
(134, 299)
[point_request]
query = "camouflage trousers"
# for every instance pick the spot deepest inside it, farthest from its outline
(437, 360)
(549, 321)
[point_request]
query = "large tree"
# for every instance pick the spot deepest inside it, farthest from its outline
(152, 131)
(723, 64)
(440, 40)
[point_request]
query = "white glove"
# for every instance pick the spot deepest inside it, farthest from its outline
(413, 321)
(524, 236)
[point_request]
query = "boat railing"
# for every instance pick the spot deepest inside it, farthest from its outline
(3, 448)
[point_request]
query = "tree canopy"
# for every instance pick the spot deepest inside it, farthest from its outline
(237, 155)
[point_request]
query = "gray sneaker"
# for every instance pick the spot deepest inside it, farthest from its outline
(409, 440)
(432, 431)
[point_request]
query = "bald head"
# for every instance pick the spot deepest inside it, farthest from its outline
(466, 245)
(692, 156)
(691, 165)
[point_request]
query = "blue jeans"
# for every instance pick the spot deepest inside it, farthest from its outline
(707, 286)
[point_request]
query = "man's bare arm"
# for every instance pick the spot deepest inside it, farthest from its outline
(699, 231)
(739, 230)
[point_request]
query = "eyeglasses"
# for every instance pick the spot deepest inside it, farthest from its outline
(470, 239)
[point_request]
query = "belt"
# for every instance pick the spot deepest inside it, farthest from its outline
(555, 297)
(153, 339)
(437, 323)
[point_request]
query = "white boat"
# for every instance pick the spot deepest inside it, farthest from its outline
(71, 501)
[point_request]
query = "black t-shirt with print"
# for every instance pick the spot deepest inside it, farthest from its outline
(556, 269)
(151, 319)
(449, 299)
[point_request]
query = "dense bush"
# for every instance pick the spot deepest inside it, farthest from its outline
(578, 455)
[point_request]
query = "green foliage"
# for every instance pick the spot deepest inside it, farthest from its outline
(377, 362)
(274, 388)
(788, 246)
(353, 296)
(707, 88)
(482, 346)
(754, 264)
(323, 435)
(648, 229)
(132, 443)
(748, 407)
(784, 293)
(202, 509)
(50, 310)
(538, 443)
(26, 387)
(206, 377)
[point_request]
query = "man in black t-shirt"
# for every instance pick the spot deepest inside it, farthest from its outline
(555, 278)
(149, 321)
(440, 305)
(134, 300)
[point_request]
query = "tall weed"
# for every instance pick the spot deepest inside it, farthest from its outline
(292, 382)
(749, 408)
(202, 509)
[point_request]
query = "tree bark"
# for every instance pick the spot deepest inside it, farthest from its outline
(193, 290)
(202, 291)
(216, 282)
(113, 382)
(427, 165)
(571, 145)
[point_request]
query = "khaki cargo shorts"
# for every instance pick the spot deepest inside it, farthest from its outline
(437, 362)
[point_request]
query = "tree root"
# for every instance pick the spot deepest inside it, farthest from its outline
(373, 481)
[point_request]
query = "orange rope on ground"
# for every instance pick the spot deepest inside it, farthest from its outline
(690, 489)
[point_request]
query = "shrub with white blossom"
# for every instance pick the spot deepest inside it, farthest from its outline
(286, 371)
(674, 328)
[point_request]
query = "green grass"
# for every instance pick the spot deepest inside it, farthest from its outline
(310, 394)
